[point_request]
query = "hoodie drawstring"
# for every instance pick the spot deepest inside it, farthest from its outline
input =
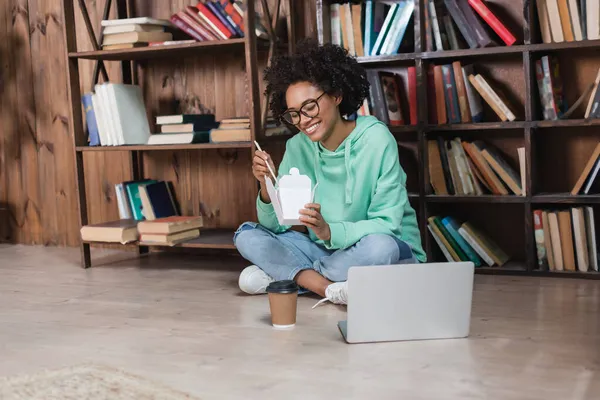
(349, 176)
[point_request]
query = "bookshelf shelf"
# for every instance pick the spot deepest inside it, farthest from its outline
(568, 274)
(564, 46)
(476, 126)
(208, 239)
(432, 198)
(565, 198)
(377, 60)
(473, 53)
(566, 123)
(200, 146)
(144, 53)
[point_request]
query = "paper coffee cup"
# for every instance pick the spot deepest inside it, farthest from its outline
(283, 298)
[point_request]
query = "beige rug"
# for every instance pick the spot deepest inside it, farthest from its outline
(85, 382)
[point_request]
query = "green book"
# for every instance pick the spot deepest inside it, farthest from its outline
(461, 254)
(133, 195)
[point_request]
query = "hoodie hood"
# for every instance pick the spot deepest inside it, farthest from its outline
(345, 150)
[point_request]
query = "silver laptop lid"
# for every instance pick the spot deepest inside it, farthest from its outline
(409, 301)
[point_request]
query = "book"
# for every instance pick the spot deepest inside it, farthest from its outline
(230, 135)
(460, 19)
(137, 20)
(179, 138)
(121, 231)
(169, 240)
(170, 225)
(157, 201)
(185, 119)
(136, 37)
(555, 21)
(90, 119)
(493, 21)
(391, 94)
(544, 21)
(111, 30)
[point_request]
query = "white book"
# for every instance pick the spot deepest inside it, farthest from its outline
(384, 28)
(592, 177)
(99, 112)
(122, 202)
(171, 138)
(138, 20)
(109, 118)
(436, 26)
(590, 225)
(593, 19)
(575, 20)
(131, 118)
(522, 167)
(336, 28)
(114, 112)
(554, 17)
(111, 30)
(475, 245)
(395, 28)
(440, 244)
(495, 98)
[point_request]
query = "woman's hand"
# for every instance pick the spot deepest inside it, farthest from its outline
(260, 169)
(259, 166)
(311, 217)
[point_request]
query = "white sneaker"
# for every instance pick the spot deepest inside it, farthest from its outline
(254, 280)
(337, 293)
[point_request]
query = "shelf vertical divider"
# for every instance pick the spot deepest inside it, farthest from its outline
(254, 111)
(76, 121)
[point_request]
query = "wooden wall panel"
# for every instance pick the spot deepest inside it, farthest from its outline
(19, 169)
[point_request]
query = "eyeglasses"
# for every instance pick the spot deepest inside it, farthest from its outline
(309, 109)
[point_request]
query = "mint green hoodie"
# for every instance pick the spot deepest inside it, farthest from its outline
(362, 188)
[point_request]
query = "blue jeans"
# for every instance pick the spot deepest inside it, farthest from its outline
(283, 256)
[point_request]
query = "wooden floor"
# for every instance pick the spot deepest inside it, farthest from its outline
(181, 320)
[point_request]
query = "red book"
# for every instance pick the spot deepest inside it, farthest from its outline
(412, 94)
(493, 22)
(214, 20)
(200, 24)
(181, 24)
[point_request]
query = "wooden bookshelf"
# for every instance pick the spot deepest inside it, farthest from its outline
(556, 151)
(224, 76)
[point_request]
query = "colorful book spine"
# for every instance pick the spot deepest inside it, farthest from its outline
(542, 257)
(412, 94)
(368, 34)
(493, 22)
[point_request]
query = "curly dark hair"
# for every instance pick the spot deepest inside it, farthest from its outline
(327, 66)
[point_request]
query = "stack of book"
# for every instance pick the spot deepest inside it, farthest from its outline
(215, 20)
(566, 239)
(116, 115)
(569, 20)
(146, 199)
(169, 231)
(472, 168)
(374, 27)
(455, 92)
(183, 129)
(464, 242)
(236, 129)
(442, 22)
(134, 32)
(392, 96)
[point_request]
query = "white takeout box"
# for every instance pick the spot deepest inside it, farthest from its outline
(292, 194)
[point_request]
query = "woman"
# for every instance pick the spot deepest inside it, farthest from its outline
(361, 214)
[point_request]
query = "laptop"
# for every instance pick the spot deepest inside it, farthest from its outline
(408, 302)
